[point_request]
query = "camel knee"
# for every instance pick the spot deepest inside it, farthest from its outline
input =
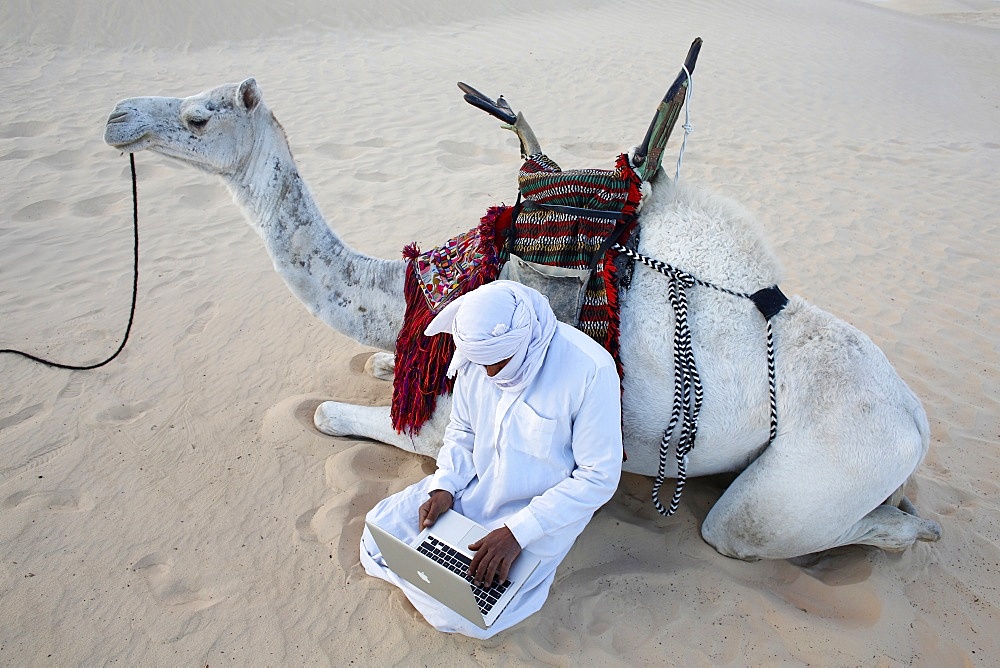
(329, 419)
(737, 535)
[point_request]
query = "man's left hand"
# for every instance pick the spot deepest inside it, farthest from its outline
(495, 553)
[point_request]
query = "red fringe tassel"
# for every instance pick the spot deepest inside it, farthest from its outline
(422, 361)
(608, 270)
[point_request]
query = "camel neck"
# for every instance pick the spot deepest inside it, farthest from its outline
(358, 295)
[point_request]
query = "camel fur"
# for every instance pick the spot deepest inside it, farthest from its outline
(850, 432)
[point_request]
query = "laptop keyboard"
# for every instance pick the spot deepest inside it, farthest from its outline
(458, 563)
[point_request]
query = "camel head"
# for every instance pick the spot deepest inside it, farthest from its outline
(215, 131)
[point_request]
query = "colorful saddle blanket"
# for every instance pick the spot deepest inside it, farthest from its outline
(564, 220)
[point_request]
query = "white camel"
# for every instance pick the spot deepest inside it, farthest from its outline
(850, 432)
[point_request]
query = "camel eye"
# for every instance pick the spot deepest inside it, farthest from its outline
(198, 123)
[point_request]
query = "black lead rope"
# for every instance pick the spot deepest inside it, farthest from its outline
(688, 392)
(135, 290)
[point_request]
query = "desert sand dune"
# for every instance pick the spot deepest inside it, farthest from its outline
(178, 508)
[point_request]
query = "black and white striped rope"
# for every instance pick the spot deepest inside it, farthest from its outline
(688, 391)
(772, 389)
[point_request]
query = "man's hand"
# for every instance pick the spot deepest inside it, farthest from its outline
(495, 552)
(432, 508)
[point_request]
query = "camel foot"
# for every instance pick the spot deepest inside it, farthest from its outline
(894, 529)
(381, 366)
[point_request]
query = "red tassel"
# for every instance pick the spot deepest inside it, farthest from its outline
(497, 223)
(422, 361)
(411, 251)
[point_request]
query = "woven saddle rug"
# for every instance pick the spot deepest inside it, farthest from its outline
(553, 229)
(533, 232)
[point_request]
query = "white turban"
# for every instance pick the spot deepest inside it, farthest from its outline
(500, 320)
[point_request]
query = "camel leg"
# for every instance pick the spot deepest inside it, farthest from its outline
(803, 496)
(381, 366)
(336, 418)
(891, 529)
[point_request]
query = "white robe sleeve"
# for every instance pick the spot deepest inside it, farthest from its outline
(597, 452)
(455, 464)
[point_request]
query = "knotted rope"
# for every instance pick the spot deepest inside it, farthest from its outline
(688, 391)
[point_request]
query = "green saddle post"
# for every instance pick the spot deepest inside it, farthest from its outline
(649, 155)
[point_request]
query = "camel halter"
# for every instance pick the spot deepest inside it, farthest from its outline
(688, 391)
(135, 290)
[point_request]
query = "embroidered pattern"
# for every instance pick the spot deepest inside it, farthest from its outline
(443, 271)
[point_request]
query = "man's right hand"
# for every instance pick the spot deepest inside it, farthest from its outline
(432, 508)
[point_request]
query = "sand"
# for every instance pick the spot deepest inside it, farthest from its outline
(178, 508)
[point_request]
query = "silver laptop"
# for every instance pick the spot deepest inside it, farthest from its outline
(437, 563)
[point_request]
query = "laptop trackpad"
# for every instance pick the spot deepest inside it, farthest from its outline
(472, 535)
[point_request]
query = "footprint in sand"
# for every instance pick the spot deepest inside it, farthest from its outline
(94, 207)
(463, 148)
(170, 590)
(852, 603)
(375, 177)
(121, 413)
(73, 388)
(304, 527)
(44, 210)
(54, 500)
(608, 612)
(16, 155)
(462, 154)
(339, 151)
(39, 457)
(20, 130)
(21, 416)
(202, 315)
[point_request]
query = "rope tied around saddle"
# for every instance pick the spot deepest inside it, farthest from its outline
(688, 391)
(689, 90)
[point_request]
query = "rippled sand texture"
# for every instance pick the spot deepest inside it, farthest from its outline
(177, 507)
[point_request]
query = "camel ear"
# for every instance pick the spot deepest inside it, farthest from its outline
(249, 94)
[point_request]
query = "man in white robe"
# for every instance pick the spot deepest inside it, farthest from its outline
(532, 450)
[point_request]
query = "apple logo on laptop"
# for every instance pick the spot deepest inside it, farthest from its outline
(424, 577)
